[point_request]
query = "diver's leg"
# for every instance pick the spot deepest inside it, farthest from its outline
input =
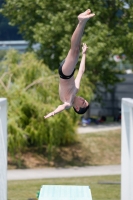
(73, 54)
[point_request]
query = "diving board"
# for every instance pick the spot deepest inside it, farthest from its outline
(65, 192)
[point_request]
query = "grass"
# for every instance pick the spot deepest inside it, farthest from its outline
(101, 148)
(26, 190)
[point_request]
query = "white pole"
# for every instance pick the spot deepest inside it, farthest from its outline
(127, 150)
(3, 149)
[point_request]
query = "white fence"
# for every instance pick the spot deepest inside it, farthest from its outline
(127, 150)
(3, 149)
(19, 45)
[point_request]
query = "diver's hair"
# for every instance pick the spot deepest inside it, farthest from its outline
(81, 110)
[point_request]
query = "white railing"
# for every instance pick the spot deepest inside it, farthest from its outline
(3, 149)
(20, 45)
(127, 150)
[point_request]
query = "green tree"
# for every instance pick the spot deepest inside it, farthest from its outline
(7, 32)
(31, 89)
(52, 23)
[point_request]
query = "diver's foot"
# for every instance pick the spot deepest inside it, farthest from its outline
(85, 16)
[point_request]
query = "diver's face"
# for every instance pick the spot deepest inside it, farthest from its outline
(81, 102)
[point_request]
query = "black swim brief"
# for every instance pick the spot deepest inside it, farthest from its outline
(61, 73)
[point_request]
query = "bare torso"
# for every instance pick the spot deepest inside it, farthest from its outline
(67, 90)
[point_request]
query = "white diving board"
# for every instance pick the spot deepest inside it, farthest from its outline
(65, 192)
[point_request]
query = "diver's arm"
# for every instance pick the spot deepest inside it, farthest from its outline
(60, 108)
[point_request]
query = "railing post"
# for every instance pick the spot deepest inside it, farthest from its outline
(127, 150)
(3, 149)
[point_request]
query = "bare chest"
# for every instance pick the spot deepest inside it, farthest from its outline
(67, 90)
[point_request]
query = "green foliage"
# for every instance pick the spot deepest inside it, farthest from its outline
(31, 89)
(2, 54)
(7, 32)
(52, 23)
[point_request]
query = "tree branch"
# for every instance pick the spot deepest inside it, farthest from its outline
(39, 81)
(3, 85)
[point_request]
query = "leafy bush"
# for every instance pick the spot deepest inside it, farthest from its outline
(31, 89)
